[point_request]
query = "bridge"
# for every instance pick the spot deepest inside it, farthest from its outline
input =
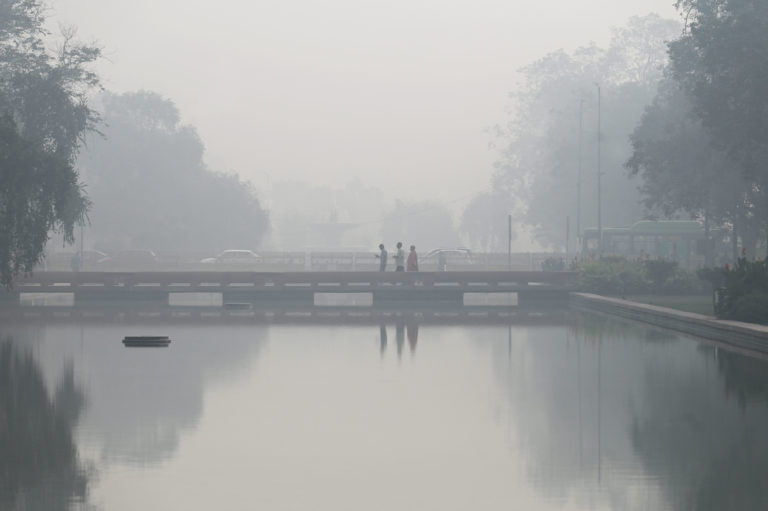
(298, 287)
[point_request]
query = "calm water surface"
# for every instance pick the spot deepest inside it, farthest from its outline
(584, 413)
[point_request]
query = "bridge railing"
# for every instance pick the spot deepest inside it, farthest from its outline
(188, 281)
(170, 260)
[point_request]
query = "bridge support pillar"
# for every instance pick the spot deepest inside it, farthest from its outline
(9, 297)
(142, 297)
(541, 298)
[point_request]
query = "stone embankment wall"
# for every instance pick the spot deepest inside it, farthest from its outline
(746, 336)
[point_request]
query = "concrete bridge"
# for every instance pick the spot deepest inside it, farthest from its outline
(299, 287)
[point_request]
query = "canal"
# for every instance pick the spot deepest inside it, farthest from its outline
(575, 411)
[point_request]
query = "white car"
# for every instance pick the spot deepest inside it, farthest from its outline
(455, 254)
(234, 257)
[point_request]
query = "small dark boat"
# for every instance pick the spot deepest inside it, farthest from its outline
(146, 341)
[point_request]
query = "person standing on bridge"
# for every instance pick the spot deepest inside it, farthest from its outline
(382, 257)
(413, 260)
(400, 257)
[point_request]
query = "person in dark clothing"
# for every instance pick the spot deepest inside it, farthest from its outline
(382, 256)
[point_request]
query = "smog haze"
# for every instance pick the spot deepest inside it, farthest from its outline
(399, 95)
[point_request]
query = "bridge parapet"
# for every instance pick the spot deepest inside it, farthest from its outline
(195, 281)
(300, 286)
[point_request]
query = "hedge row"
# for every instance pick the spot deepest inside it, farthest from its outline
(742, 290)
(618, 276)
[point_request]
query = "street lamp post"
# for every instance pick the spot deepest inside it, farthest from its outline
(578, 180)
(599, 176)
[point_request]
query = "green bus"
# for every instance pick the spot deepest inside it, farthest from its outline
(677, 240)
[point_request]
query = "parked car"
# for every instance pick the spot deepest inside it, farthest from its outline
(443, 254)
(92, 260)
(234, 257)
(88, 260)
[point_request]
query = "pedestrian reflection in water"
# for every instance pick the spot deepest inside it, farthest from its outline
(413, 337)
(382, 339)
(400, 338)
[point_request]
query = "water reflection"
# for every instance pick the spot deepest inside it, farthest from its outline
(642, 417)
(413, 336)
(145, 400)
(703, 431)
(39, 464)
(400, 339)
(142, 401)
(746, 378)
(382, 339)
(581, 412)
(410, 330)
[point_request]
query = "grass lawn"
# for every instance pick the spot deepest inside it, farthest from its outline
(700, 304)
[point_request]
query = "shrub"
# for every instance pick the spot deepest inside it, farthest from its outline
(659, 271)
(618, 276)
(743, 294)
(611, 276)
(683, 282)
(752, 308)
(553, 264)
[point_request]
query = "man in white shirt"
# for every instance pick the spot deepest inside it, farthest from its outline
(400, 257)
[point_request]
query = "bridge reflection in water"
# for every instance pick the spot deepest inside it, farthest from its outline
(444, 315)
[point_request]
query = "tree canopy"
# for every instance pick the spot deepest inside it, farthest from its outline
(722, 61)
(485, 221)
(702, 145)
(426, 224)
(552, 131)
(152, 189)
(44, 115)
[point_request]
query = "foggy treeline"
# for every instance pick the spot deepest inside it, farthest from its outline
(553, 126)
(681, 133)
(151, 188)
(680, 136)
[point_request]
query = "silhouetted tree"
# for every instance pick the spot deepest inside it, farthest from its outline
(722, 61)
(540, 144)
(425, 224)
(151, 188)
(682, 170)
(485, 221)
(45, 114)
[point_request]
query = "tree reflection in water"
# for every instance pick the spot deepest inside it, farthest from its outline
(713, 444)
(39, 465)
(636, 417)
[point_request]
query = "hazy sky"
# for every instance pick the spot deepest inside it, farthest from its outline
(398, 93)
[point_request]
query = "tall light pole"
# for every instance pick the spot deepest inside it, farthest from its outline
(509, 245)
(578, 180)
(599, 175)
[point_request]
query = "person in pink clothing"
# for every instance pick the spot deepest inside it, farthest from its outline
(413, 260)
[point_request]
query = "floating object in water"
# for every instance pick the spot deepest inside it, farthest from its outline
(149, 341)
